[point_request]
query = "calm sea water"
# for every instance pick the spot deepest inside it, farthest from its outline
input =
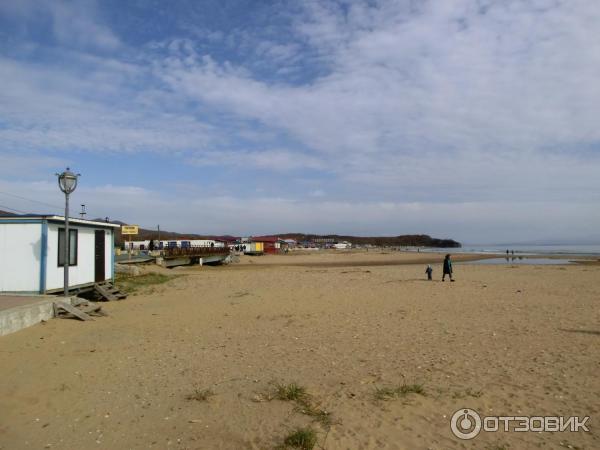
(522, 261)
(525, 250)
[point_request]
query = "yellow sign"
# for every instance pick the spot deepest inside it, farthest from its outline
(129, 229)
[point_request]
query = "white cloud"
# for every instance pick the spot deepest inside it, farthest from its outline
(275, 160)
(74, 23)
(27, 163)
(480, 87)
(50, 108)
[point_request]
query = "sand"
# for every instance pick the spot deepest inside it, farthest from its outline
(506, 340)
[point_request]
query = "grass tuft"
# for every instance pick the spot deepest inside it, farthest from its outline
(388, 393)
(317, 414)
(290, 392)
(200, 395)
(467, 393)
(302, 438)
(471, 393)
(131, 284)
(295, 393)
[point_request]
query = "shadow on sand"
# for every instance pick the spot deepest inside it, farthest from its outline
(597, 333)
(413, 279)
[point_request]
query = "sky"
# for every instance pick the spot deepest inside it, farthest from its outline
(477, 120)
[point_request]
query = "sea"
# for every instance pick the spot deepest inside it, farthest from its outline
(524, 250)
(524, 254)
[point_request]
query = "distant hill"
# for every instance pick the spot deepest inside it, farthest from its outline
(6, 213)
(411, 240)
(408, 240)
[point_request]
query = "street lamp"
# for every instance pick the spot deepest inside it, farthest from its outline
(67, 182)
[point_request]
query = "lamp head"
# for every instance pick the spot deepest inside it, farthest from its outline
(67, 181)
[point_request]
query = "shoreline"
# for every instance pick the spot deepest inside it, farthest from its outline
(431, 258)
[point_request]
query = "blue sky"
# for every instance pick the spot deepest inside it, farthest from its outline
(475, 120)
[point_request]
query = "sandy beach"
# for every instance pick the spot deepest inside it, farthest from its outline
(194, 363)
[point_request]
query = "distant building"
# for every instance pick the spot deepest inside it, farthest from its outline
(342, 245)
(271, 244)
(32, 253)
(253, 248)
(290, 243)
(324, 240)
(171, 243)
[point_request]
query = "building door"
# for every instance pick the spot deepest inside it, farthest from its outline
(99, 256)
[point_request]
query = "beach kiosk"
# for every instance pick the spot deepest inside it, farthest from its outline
(32, 254)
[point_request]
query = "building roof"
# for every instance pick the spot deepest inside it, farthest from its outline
(225, 238)
(264, 239)
(55, 218)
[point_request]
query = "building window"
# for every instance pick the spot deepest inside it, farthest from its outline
(72, 247)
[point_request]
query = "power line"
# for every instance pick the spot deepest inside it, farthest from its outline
(56, 208)
(4, 207)
(12, 209)
(30, 199)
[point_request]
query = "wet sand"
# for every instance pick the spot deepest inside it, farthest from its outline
(507, 340)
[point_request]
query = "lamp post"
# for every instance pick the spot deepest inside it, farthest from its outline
(67, 182)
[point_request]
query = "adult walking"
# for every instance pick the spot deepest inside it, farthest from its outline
(447, 268)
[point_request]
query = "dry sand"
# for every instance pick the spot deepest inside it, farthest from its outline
(506, 340)
(348, 258)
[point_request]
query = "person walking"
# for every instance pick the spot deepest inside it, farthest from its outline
(429, 272)
(447, 268)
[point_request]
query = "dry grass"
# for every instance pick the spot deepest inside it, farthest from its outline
(467, 393)
(388, 393)
(290, 392)
(298, 394)
(302, 438)
(316, 413)
(200, 395)
(131, 284)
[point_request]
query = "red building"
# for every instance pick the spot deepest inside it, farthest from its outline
(271, 244)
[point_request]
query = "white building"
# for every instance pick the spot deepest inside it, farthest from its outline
(32, 253)
(342, 245)
(181, 243)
